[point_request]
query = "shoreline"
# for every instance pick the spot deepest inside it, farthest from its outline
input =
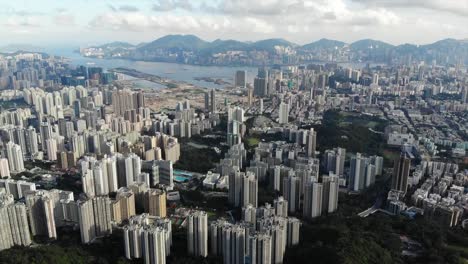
(232, 65)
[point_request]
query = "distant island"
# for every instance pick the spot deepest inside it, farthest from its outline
(212, 80)
(190, 49)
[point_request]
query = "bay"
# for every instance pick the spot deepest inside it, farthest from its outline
(174, 71)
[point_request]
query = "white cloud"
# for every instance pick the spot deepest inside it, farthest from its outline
(64, 18)
(23, 21)
(170, 5)
(180, 23)
(263, 17)
(458, 7)
(301, 21)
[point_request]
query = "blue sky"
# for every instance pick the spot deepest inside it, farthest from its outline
(83, 22)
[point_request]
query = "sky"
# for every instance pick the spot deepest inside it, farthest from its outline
(88, 22)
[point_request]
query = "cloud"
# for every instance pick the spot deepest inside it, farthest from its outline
(309, 11)
(129, 8)
(458, 7)
(246, 18)
(26, 13)
(18, 22)
(264, 7)
(170, 23)
(10, 11)
(297, 20)
(170, 5)
(64, 19)
(123, 8)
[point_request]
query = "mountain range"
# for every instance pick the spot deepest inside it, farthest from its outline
(190, 49)
(196, 44)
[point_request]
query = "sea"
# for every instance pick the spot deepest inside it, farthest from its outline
(178, 72)
(174, 71)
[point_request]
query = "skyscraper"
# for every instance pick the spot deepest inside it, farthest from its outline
(216, 236)
(357, 173)
(149, 238)
(109, 166)
(154, 245)
(294, 226)
(311, 142)
(464, 97)
(330, 193)
(249, 214)
(4, 168)
(377, 161)
(249, 189)
(234, 244)
(15, 157)
(283, 113)
(156, 200)
(235, 186)
(260, 87)
(334, 160)
(401, 172)
(207, 101)
(292, 192)
(240, 79)
(197, 233)
(260, 248)
(375, 79)
(281, 206)
(235, 125)
(313, 196)
(46, 133)
(41, 214)
(31, 141)
(126, 198)
(128, 169)
(14, 227)
(213, 101)
(94, 218)
(51, 149)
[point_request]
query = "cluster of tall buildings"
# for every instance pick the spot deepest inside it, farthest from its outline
(262, 236)
(94, 217)
(439, 196)
(243, 188)
(363, 170)
(94, 212)
(197, 233)
(187, 122)
(125, 101)
(321, 198)
(148, 238)
(38, 213)
(25, 70)
(334, 161)
(267, 82)
(14, 229)
(279, 166)
(104, 176)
